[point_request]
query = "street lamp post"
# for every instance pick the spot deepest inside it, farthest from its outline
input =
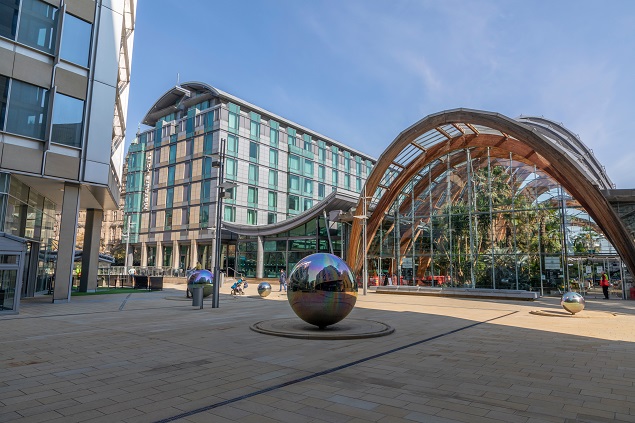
(364, 218)
(219, 162)
(125, 263)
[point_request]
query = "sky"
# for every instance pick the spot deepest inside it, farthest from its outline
(361, 71)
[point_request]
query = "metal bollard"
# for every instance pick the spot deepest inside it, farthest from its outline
(197, 296)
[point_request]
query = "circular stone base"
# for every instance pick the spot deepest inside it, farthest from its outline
(585, 314)
(346, 329)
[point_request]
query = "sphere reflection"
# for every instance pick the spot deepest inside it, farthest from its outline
(572, 302)
(202, 278)
(321, 289)
(264, 289)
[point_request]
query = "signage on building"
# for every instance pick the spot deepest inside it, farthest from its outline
(552, 262)
(406, 263)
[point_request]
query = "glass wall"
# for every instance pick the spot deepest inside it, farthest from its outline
(472, 219)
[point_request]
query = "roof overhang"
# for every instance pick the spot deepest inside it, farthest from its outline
(333, 201)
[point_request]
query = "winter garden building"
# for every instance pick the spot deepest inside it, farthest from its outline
(287, 180)
(64, 77)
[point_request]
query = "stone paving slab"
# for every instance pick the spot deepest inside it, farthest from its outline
(146, 357)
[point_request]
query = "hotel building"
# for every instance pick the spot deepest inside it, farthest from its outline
(287, 179)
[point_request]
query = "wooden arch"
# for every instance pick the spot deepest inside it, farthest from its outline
(509, 135)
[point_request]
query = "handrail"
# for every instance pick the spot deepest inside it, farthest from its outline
(236, 272)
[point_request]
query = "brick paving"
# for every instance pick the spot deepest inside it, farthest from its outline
(152, 357)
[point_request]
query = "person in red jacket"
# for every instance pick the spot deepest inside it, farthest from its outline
(604, 283)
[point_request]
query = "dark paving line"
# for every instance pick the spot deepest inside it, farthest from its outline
(324, 372)
(124, 302)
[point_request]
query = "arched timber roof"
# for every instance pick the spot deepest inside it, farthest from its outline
(333, 201)
(548, 146)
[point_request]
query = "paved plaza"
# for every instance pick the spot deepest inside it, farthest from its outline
(152, 357)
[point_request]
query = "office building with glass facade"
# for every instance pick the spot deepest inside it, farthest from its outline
(287, 179)
(64, 78)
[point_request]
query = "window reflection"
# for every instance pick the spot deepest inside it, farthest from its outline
(4, 90)
(68, 115)
(28, 110)
(38, 25)
(8, 17)
(75, 40)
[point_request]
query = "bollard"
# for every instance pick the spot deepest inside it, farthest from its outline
(197, 296)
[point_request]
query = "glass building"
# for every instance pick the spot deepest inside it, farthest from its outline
(287, 179)
(473, 199)
(64, 77)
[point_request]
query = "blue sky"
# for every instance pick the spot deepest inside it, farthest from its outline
(361, 71)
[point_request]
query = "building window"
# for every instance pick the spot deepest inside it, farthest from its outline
(4, 91)
(291, 136)
(308, 187)
(322, 152)
(252, 217)
(271, 218)
(76, 45)
(229, 215)
(273, 134)
(272, 200)
(172, 155)
(358, 167)
(168, 220)
(27, 110)
(207, 167)
(233, 118)
(38, 25)
(254, 127)
(253, 151)
(252, 196)
(169, 198)
(335, 178)
(68, 118)
(347, 181)
(273, 178)
(334, 156)
(171, 173)
(308, 168)
(347, 162)
(358, 185)
(273, 158)
(294, 183)
(253, 174)
(8, 18)
(307, 142)
(208, 143)
(294, 203)
(232, 145)
(294, 163)
(308, 203)
(206, 187)
(231, 169)
(321, 191)
(203, 217)
(321, 173)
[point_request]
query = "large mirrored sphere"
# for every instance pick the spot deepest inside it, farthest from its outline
(572, 302)
(202, 278)
(264, 289)
(321, 289)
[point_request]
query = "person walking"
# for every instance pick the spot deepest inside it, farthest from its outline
(604, 283)
(283, 280)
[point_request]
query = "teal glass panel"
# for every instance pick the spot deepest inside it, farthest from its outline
(273, 179)
(294, 184)
(252, 217)
(254, 151)
(321, 172)
(308, 168)
(308, 187)
(272, 200)
(169, 197)
(253, 174)
(231, 169)
(208, 143)
(203, 217)
(172, 155)
(273, 158)
(252, 195)
(294, 163)
(229, 214)
(171, 173)
(232, 145)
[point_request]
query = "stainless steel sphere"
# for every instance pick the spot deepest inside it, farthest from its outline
(264, 289)
(572, 302)
(202, 278)
(321, 289)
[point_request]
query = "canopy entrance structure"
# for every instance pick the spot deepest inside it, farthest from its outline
(473, 198)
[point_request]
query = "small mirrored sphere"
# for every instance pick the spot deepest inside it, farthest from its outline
(572, 302)
(202, 278)
(321, 289)
(264, 289)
